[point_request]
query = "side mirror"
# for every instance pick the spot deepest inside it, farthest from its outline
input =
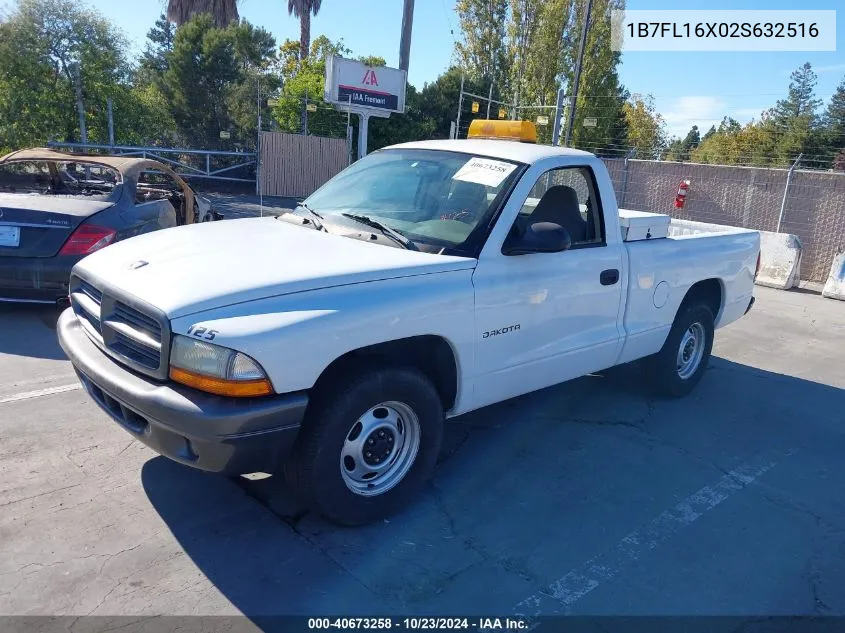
(540, 237)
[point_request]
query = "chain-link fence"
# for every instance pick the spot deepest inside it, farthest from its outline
(810, 204)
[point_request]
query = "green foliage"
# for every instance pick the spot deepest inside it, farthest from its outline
(40, 43)
(153, 62)
(530, 47)
(645, 127)
(791, 128)
(832, 137)
(483, 51)
(679, 149)
(439, 100)
(302, 10)
(600, 92)
(211, 80)
(306, 80)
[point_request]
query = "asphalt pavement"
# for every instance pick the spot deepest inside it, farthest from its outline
(590, 498)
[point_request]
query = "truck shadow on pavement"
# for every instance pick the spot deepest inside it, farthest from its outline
(29, 330)
(524, 490)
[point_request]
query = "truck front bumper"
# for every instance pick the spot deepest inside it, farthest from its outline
(213, 433)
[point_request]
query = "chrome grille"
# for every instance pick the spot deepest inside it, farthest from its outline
(138, 352)
(138, 320)
(133, 336)
(91, 291)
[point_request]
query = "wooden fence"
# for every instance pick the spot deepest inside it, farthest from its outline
(294, 165)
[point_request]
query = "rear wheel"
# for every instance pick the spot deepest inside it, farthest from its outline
(368, 444)
(678, 367)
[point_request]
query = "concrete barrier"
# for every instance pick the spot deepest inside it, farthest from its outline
(834, 288)
(780, 253)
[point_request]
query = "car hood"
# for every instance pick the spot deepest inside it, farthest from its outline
(189, 269)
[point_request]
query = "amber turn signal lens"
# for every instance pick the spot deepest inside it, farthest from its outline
(220, 387)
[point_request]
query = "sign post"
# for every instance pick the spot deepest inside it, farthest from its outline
(367, 91)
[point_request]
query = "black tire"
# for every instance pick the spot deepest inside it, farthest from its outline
(314, 468)
(662, 370)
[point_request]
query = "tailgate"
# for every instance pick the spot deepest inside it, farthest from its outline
(37, 226)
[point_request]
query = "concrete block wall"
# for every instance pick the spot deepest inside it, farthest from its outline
(834, 287)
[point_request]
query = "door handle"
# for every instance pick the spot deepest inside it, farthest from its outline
(609, 277)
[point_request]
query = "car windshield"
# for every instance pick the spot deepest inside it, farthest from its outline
(437, 199)
(59, 178)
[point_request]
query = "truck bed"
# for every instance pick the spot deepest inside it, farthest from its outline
(664, 269)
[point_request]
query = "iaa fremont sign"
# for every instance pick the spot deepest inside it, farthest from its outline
(352, 83)
(367, 91)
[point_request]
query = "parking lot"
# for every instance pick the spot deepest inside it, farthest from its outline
(588, 498)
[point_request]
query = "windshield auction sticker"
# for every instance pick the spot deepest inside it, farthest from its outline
(484, 171)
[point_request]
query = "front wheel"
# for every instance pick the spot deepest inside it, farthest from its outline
(368, 444)
(678, 367)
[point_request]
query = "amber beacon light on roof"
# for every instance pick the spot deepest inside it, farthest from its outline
(522, 131)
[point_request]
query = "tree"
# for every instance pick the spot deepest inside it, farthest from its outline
(600, 94)
(483, 51)
(41, 42)
(210, 81)
(834, 116)
(833, 130)
(153, 61)
(794, 118)
(679, 149)
(800, 100)
(222, 12)
(734, 144)
(522, 30)
(302, 10)
(438, 101)
(304, 78)
(646, 128)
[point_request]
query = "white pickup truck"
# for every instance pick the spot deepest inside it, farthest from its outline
(426, 280)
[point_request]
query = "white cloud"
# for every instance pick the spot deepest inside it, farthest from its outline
(704, 111)
(684, 112)
(835, 68)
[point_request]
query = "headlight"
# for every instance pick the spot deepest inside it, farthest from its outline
(216, 369)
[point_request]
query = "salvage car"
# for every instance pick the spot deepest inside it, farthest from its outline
(329, 345)
(56, 208)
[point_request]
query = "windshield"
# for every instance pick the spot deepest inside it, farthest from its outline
(58, 178)
(440, 200)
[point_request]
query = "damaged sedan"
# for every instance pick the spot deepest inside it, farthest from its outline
(56, 208)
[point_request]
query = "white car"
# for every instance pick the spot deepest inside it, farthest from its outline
(426, 280)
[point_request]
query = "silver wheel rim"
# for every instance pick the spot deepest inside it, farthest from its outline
(380, 449)
(690, 351)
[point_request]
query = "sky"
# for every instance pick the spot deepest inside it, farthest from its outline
(688, 87)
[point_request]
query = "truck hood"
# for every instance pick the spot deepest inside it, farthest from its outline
(189, 269)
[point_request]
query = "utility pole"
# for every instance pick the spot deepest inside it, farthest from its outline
(258, 148)
(580, 61)
(111, 121)
(80, 106)
(460, 105)
(786, 189)
(489, 100)
(405, 42)
(305, 115)
(561, 95)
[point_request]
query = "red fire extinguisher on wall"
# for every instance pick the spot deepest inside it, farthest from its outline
(681, 196)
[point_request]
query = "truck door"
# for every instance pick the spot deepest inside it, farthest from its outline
(543, 318)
